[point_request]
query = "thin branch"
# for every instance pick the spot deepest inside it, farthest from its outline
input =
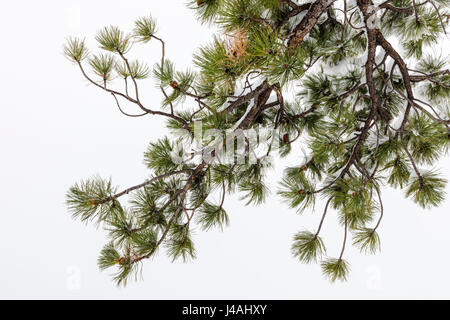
(345, 239)
(145, 183)
(323, 218)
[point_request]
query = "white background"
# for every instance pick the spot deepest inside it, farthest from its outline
(55, 130)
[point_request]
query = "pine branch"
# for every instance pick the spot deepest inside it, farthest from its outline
(244, 80)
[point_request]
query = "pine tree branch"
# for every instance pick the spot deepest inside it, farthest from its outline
(377, 189)
(138, 103)
(308, 22)
(354, 108)
(403, 70)
(296, 9)
(123, 112)
(247, 97)
(407, 11)
(424, 76)
(323, 218)
(345, 239)
(143, 184)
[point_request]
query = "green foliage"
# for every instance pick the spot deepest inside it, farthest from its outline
(254, 192)
(137, 70)
(164, 73)
(180, 244)
(212, 216)
(427, 190)
(158, 156)
(324, 89)
(216, 67)
(421, 31)
(181, 83)
(424, 138)
(124, 272)
(103, 65)
(251, 183)
(337, 43)
(400, 172)
(286, 66)
(354, 200)
(223, 174)
(388, 151)
(120, 227)
(144, 241)
(263, 43)
(416, 31)
(144, 204)
(238, 14)
(206, 10)
(367, 240)
(335, 269)
(144, 29)
(307, 247)
(113, 39)
(358, 207)
(297, 191)
(86, 200)
(108, 257)
(75, 49)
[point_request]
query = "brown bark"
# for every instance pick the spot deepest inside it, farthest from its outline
(308, 22)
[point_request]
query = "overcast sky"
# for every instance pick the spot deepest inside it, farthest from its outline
(55, 130)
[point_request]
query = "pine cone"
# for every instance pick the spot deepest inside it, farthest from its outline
(174, 84)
